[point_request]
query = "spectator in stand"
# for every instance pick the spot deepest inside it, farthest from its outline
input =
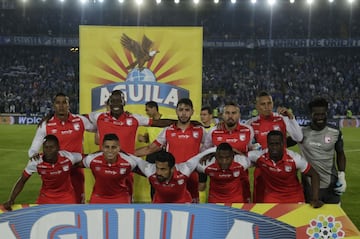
(69, 129)
(54, 166)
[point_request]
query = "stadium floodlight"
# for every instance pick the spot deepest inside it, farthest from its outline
(176, 1)
(62, 0)
(196, 1)
(121, 1)
(271, 2)
(292, 1)
(330, 1)
(309, 2)
(350, 1)
(101, 1)
(139, 2)
(83, 1)
(216, 1)
(253, 1)
(158, 1)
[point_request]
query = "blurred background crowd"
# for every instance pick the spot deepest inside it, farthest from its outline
(31, 75)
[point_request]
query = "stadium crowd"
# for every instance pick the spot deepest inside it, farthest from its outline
(39, 72)
(30, 77)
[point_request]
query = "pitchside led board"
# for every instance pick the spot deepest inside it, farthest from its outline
(163, 64)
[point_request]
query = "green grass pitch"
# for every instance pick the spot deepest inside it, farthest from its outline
(15, 141)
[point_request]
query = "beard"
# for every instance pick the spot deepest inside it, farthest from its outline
(160, 178)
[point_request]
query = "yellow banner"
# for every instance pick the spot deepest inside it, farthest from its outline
(162, 64)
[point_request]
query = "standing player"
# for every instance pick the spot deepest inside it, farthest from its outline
(182, 139)
(239, 136)
(54, 167)
(110, 169)
(123, 124)
(69, 129)
(279, 170)
(321, 143)
(206, 118)
(266, 121)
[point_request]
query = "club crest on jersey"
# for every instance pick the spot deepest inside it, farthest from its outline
(196, 135)
(122, 170)
(276, 127)
(242, 137)
(236, 174)
(327, 139)
(65, 168)
(288, 168)
(76, 126)
(129, 122)
(180, 181)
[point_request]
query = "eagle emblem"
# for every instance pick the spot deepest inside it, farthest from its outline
(142, 52)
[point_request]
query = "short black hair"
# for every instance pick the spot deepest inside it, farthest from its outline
(113, 137)
(60, 94)
(163, 156)
(224, 147)
(318, 102)
(185, 101)
(263, 93)
(152, 104)
(208, 109)
(51, 137)
(274, 133)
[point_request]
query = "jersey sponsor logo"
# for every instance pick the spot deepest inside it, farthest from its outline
(183, 136)
(232, 140)
(57, 172)
(110, 172)
(66, 132)
(314, 144)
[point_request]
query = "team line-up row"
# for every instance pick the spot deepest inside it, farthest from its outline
(183, 154)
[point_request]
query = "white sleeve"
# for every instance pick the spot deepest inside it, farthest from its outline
(89, 158)
(161, 138)
(293, 129)
(130, 158)
(74, 157)
(37, 140)
(143, 121)
(300, 162)
(243, 160)
(31, 167)
(87, 124)
(254, 155)
(146, 168)
(208, 143)
(93, 116)
(190, 165)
